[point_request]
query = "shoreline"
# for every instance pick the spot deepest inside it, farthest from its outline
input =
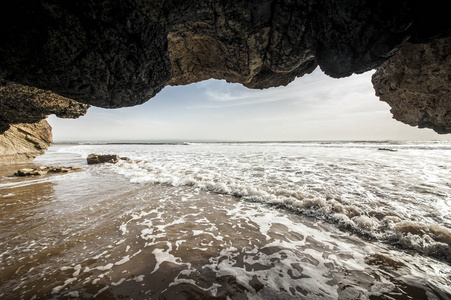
(186, 142)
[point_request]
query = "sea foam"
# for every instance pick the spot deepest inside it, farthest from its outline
(368, 195)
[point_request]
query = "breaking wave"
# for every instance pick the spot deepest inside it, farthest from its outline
(400, 196)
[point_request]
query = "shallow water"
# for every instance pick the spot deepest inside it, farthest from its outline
(209, 221)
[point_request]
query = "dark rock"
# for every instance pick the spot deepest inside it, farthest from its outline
(63, 169)
(121, 53)
(112, 53)
(100, 159)
(416, 83)
(44, 170)
(24, 104)
(20, 104)
(387, 149)
(29, 172)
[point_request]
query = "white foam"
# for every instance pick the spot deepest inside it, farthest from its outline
(101, 254)
(366, 222)
(73, 294)
(178, 243)
(298, 200)
(118, 282)
(382, 287)
(8, 195)
(57, 289)
(147, 233)
(101, 291)
(105, 267)
(123, 228)
(213, 289)
(164, 256)
(123, 260)
(77, 269)
(349, 184)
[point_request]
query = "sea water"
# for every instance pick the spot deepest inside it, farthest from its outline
(313, 220)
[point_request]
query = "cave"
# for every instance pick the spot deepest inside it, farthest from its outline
(60, 58)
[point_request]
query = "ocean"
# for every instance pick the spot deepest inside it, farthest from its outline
(306, 220)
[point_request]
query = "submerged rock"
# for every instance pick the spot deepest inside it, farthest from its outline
(44, 170)
(387, 149)
(100, 159)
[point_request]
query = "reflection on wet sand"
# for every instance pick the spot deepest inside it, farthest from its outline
(23, 201)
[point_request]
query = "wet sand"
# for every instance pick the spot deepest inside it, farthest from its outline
(88, 235)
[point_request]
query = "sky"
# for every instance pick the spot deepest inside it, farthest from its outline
(313, 107)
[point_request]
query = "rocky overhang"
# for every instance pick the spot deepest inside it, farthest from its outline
(111, 53)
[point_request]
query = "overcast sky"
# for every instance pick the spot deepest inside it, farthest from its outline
(313, 107)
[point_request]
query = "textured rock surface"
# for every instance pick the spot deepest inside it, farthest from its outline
(121, 53)
(42, 170)
(94, 158)
(24, 104)
(416, 83)
(112, 53)
(108, 53)
(23, 142)
(257, 43)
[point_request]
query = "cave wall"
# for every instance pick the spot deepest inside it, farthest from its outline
(23, 142)
(25, 104)
(24, 132)
(416, 83)
(114, 53)
(59, 57)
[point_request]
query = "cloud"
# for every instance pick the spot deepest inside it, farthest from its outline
(312, 89)
(313, 107)
(235, 96)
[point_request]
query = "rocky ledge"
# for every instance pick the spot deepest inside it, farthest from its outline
(24, 134)
(23, 142)
(45, 170)
(122, 53)
(416, 83)
(26, 104)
